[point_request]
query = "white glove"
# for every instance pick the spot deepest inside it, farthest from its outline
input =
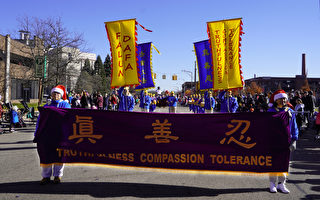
(293, 146)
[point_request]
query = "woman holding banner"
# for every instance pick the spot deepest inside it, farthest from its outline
(59, 100)
(279, 99)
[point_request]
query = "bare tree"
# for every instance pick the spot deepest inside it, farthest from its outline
(61, 47)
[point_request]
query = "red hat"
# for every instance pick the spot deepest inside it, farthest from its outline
(277, 95)
(61, 90)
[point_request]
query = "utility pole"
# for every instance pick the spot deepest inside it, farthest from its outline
(195, 76)
(190, 73)
(7, 97)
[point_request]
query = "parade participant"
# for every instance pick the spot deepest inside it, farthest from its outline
(228, 102)
(209, 102)
(158, 91)
(153, 104)
(172, 103)
(280, 103)
(190, 102)
(195, 103)
(126, 100)
(59, 100)
(201, 103)
(145, 101)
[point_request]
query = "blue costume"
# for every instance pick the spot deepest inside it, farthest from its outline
(126, 102)
(209, 102)
(145, 100)
(172, 101)
(228, 104)
(153, 104)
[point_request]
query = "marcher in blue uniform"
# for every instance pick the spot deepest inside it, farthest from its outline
(280, 103)
(153, 103)
(172, 103)
(229, 104)
(59, 100)
(126, 100)
(209, 102)
(195, 103)
(201, 104)
(145, 101)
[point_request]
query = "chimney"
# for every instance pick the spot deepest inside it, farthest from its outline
(304, 65)
(25, 36)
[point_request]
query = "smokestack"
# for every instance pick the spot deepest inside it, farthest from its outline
(304, 65)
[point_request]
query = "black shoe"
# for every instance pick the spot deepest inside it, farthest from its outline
(57, 180)
(45, 181)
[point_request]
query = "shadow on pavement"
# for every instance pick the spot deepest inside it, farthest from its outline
(307, 159)
(108, 189)
(16, 148)
(18, 142)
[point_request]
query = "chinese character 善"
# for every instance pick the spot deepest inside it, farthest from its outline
(161, 132)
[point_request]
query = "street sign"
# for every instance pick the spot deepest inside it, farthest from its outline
(39, 65)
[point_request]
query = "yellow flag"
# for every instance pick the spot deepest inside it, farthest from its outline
(224, 37)
(122, 38)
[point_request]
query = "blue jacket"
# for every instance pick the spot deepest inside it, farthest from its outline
(145, 100)
(14, 117)
(228, 104)
(209, 102)
(172, 101)
(58, 104)
(294, 130)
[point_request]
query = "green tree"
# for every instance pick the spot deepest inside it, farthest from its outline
(102, 85)
(87, 67)
(107, 66)
(98, 66)
(84, 82)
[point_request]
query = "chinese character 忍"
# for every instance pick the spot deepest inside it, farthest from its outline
(243, 131)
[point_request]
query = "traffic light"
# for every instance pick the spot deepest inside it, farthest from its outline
(164, 76)
(174, 77)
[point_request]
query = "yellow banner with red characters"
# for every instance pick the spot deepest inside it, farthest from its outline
(224, 38)
(122, 38)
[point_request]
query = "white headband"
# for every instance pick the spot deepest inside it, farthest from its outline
(58, 90)
(280, 95)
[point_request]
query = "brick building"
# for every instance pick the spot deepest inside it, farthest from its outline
(288, 84)
(17, 81)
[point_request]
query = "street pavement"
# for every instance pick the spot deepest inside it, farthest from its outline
(20, 176)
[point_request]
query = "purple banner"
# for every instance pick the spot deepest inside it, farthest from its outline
(204, 60)
(235, 142)
(145, 66)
